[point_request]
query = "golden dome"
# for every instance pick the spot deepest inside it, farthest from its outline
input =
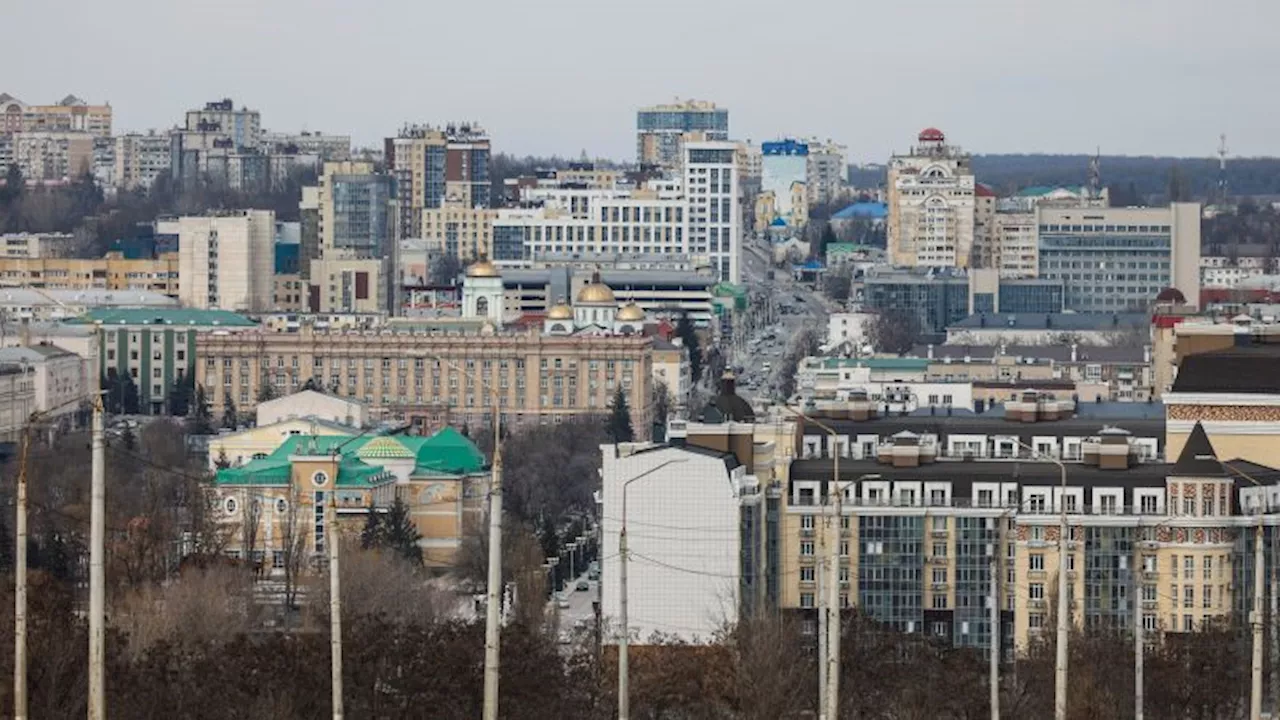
(631, 312)
(596, 292)
(560, 311)
(482, 268)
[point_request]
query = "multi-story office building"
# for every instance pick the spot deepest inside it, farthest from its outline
(938, 300)
(1119, 259)
(662, 129)
(70, 115)
(349, 285)
(931, 204)
(783, 202)
(329, 148)
(226, 261)
(242, 127)
(712, 193)
(827, 172)
(592, 221)
(112, 272)
(400, 372)
(157, 347)
(139, 159)
(354, 204)
(51, 156)
(432, 165)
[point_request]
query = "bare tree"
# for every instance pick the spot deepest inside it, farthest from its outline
(200, 606)
(292, 535)
(893, 332)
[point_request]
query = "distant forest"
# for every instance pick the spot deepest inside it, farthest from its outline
(1147, 178)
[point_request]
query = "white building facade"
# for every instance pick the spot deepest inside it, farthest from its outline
(227, 261)
(712, 193)
(684, 515)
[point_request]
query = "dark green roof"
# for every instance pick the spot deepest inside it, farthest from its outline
(449, 451)
(164, 316)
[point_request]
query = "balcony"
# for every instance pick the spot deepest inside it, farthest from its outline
(806, 532)
(938, 559)
(938, 587)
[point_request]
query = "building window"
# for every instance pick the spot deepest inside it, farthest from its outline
(1206, 597)
(320, 478)
(1035, 621)
(939, 549)
(806, 600)
(806, 522)
(806, 549)
(1188, 568)
(806, 574)
(1188, 597)
(1035, 591)
(1036, 561)
(1208, 567)
(230, 505)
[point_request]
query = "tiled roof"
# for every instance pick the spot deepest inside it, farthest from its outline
(386, 448)
(1251, 370)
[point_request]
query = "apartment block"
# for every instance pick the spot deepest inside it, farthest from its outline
(50, 156)
(827, 172)
(37, 245)
(462, 231)
(242, 127)
(432, 165)
(713, 194)
(931, 204)
(139, 158)
(70, 115)
(226, 261)
(348, 285)
(111, 272)
(661, 130)
(329, 148)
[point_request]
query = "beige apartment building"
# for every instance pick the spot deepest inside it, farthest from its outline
(37, 245)
(931, 204)
(347, 285)
(459, 230)
(111, 272)
(400, 373)
(140, 158)
(53, 156)
(227, 261)
(71, 114)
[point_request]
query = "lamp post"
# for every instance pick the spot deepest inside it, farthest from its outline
(624, 700)
(1060, 664)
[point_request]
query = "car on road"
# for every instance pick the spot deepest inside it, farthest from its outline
(593, 574)
(562, 601)
(582, 586)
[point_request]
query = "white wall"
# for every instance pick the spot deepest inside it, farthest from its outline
(682, 535)
(309, 403)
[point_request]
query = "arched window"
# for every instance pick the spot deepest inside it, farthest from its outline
(482, 306)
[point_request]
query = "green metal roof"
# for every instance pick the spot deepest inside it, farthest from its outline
(164, 316)
(446, 452)
(918, 364)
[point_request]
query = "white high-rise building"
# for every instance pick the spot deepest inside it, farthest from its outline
(139, 159)
(712, 192)
(226, 261)
(931, 205)
(827, 172)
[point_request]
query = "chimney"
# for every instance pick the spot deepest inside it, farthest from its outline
(930, 351)
(1074, 348)
(25, 332)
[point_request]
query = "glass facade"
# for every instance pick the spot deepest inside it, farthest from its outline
(713, 121)
(934, 303)
(891, 570)
(433, 182)
(360, 215)
(508, 242)
(976, 540)
(1030, 297)
(1107, 268)
(1109, 589)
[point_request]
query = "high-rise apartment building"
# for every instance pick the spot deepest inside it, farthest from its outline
(52, 156)
(329, 148)
(712, 193)
(71, 114)
(243, 127)
(139, 158)
(226, 261)
(460, 231)
(1119, 259)
(435, 165)
(352, 269)
(931, 205)
(827, 174)
(661, 130)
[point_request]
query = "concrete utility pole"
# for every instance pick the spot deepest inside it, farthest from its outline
(335, 596)
(1139, 642)
(492, 621)
(97, 577)
(1259, 570)
(833, 590)
(20, 588)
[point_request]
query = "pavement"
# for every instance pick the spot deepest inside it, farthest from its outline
(580, 614)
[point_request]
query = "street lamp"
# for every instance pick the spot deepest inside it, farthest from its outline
(1060, 664)
(624, 701)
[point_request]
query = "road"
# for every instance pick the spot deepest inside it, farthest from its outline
(580, 615)
(779, 307)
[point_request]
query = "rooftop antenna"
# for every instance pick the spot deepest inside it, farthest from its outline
(1095, 174)
(1222, 168)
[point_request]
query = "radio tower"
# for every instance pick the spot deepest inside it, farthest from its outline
(1095, 174)
(1222, 169)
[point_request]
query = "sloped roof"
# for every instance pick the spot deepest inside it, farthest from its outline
(1197, 458)
(164, 316)
(1250, 370)
(385, 448)
(449, 451)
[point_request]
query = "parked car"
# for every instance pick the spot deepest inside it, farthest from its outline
(582, 586)
(563, 601)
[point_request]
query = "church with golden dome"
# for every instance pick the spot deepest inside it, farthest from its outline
(594, 310)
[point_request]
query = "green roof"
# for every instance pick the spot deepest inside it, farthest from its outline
(919, 364)
(843, 247)
(446, 452)
(164, 316)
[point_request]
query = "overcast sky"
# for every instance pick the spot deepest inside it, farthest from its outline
(561, 76)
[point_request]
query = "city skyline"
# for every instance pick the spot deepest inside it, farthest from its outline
(1159, 79)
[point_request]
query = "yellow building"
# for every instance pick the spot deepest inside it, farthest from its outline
(273, 508)
(111, 272)
(1235, 394)
(459, 230)
(235, 449)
